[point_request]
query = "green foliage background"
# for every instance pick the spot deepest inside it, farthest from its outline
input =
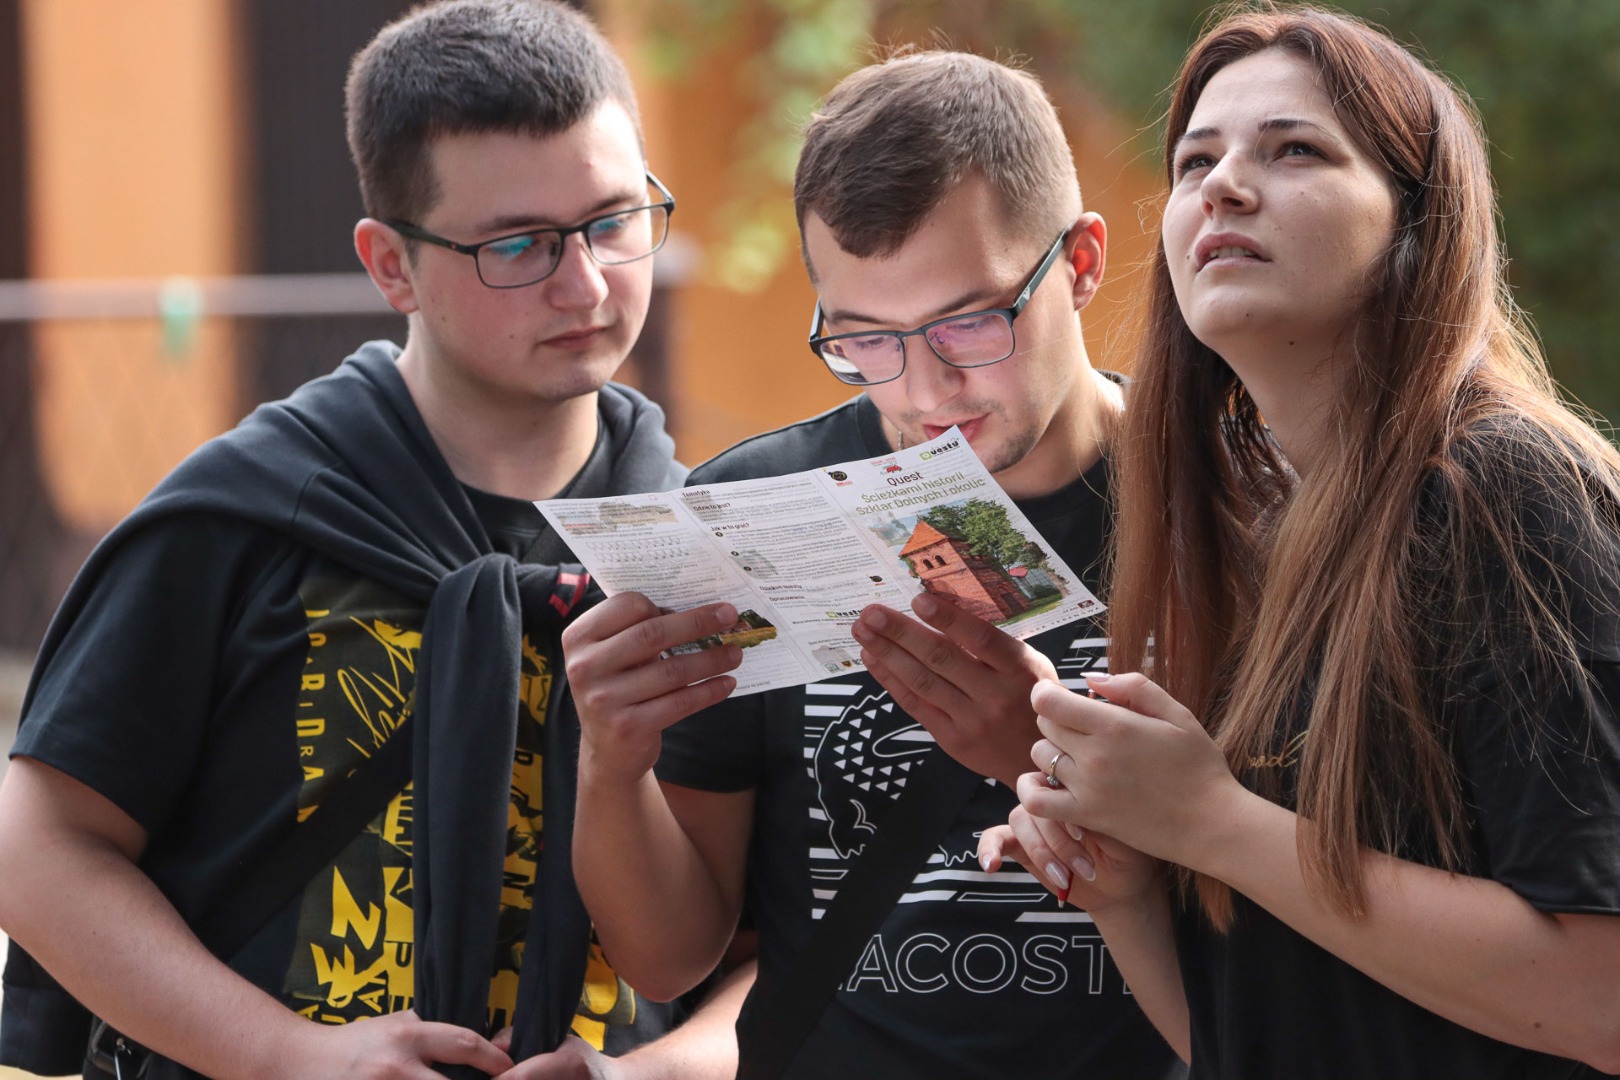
(988, 532)
(1544, 73)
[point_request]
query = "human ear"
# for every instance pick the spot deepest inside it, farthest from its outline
(1087, 253)
(382, 251)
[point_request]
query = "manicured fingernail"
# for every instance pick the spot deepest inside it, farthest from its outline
(1063, 896)
(1098, 676)
(925, 605)
(1075, 831)
(1057, 875)
(1084, 868)
(984, 864)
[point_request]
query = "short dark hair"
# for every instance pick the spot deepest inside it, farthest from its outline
(531, 66)
(893, 140)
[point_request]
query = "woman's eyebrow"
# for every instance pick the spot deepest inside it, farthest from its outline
(1277, 123)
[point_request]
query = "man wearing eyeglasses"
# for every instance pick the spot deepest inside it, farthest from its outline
(350, 606)
(943, 230)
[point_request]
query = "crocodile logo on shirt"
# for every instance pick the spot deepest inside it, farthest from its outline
(861, 762)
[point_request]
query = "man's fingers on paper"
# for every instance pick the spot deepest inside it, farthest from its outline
(921, 663)
(985, 641)
(664, 675)
(680, 686)
(912, 684)
(610, 617)
(627, 629)
(896, 637)
(655, 636)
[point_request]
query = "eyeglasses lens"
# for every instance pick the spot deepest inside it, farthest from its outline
(519, 260)
(864, 358)
(631, 235)
(970, 341)
(613, 239)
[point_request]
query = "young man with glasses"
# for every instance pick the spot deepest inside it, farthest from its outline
(943, 230)
(354, 576)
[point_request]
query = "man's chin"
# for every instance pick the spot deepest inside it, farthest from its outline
(1002, 455)
(572, 374)
(556, 391)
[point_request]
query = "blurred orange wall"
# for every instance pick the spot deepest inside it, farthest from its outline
(133, 172)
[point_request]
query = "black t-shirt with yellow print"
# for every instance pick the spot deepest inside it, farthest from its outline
(223, 679)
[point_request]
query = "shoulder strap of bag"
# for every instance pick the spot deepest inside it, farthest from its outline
(791, 1008)
(284, 871)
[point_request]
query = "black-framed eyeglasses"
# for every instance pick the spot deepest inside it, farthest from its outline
(970, 340)
(524, 258)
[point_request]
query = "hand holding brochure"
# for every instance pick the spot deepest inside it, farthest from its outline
(800, 555)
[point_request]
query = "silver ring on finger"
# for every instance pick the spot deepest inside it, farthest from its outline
(1051, 771)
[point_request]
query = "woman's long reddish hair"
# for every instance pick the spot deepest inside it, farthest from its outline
(1250, 597)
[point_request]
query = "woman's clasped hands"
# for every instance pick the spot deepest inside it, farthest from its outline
(1124, 780)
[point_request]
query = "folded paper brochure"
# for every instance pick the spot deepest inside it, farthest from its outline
(800, 555)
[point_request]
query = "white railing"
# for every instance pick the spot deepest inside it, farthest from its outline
(191, 298)
(246, 296)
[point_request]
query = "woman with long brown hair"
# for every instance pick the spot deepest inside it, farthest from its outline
(1364, 819)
